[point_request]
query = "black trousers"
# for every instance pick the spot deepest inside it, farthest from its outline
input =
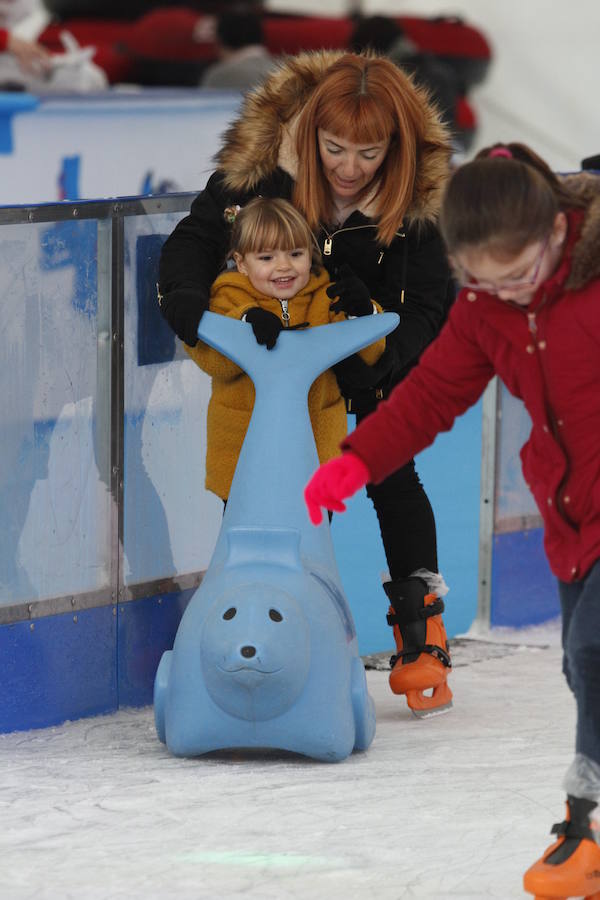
(406, 521)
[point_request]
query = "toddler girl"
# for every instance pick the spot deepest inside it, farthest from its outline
(278, 284)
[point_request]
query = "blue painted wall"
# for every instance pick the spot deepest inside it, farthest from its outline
(450, 471)
(524, 590)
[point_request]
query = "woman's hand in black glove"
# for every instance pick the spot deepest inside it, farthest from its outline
(183, 308)
(265, 325)
(353, 295)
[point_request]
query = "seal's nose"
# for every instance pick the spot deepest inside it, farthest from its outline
(248, 652)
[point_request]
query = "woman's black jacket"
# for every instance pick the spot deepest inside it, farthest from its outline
(410, 277)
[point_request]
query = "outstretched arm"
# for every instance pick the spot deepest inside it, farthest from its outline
(450, 378)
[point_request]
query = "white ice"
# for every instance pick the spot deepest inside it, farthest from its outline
(456, 806)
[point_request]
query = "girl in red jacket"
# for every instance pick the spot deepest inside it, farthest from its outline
(524, 246)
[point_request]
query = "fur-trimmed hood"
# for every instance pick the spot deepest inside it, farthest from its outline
(262, 137)
(585, 266)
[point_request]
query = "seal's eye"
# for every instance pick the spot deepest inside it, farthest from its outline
(275, 615)
(230, 613)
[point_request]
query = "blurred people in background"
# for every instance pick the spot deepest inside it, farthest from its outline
(384, 35)
(130, 9)
(25, 65)
(244, 60)
(18, 54)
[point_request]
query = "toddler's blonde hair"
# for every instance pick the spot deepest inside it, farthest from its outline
(270, 223)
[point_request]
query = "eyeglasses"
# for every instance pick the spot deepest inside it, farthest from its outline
(511, 284)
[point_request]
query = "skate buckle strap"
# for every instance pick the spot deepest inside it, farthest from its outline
(572, 830)
(433, 609)
(433, 649)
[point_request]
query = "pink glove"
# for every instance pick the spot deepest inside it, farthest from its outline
(333, 482)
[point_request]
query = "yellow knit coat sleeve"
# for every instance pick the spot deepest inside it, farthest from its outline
(227, 300)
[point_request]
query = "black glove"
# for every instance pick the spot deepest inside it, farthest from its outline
(182, 308)
(265, 325)
(354, 297)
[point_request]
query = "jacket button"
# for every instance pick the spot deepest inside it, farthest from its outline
(542, 345)
(549, 501)
(530, 348)
(567, 499)
(471, 295)
(574, 570)
(545, 428)
(561, 423)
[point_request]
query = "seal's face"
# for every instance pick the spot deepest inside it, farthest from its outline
(255, 651)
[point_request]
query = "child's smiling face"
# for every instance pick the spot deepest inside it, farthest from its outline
(276, 273)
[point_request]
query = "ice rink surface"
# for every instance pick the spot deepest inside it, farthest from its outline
(455, 806)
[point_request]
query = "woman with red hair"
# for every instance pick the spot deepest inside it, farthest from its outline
(361, 152)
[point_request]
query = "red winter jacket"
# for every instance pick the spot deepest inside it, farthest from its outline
(548, 355)
(3, 39)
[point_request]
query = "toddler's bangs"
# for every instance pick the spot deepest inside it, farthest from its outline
(270, 230)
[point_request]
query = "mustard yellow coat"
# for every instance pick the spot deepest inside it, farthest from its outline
(232, 398)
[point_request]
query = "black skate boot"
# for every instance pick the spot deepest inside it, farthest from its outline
(422, 661)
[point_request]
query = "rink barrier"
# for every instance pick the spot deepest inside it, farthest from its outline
(70, 647)
(106, 528)
(516, 587)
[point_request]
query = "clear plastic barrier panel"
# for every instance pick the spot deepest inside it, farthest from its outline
(515, 508)
(103, 416)
(54, 337)
(170, 521)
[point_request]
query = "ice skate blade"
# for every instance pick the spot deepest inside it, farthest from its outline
(595, 896)
(434, 711)
(423, 705)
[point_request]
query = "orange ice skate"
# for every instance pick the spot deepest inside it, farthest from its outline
(421, 664)
(571, 866)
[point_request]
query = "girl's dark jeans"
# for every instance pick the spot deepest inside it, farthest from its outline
(580, 602)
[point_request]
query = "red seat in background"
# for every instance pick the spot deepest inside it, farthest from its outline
(165, 37)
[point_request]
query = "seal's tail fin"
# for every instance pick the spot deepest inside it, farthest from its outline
(304, 353)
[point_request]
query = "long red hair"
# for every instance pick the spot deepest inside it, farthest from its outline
(364, 99)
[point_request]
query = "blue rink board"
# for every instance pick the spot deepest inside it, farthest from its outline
(58, 667)
(70, 666)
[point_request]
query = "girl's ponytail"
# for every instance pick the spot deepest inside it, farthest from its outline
(524, 154)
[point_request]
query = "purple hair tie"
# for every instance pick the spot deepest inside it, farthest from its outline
(500, 151)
